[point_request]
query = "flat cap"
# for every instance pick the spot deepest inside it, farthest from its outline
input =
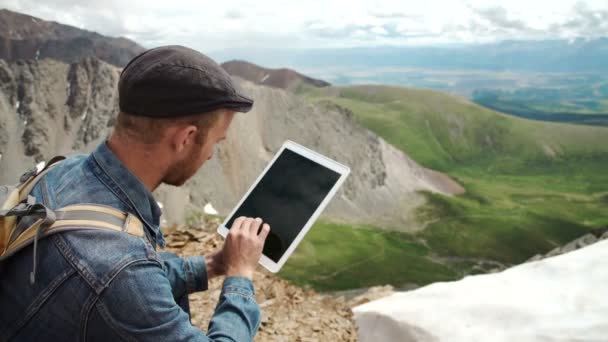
(175, 81)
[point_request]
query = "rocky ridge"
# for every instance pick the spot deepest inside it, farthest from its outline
(26, 37)
(286, 79)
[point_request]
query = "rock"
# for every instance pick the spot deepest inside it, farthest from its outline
(372, 294)
(586, 240)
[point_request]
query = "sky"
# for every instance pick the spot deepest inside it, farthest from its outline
(220, 25)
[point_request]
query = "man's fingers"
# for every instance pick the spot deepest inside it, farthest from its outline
(255, 226)
(236, 225)
(264, 232)
(246, 226)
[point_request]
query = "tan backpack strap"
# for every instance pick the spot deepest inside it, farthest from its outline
(31, 178)
(77, 217)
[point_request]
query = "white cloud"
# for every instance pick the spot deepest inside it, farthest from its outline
(216, 25)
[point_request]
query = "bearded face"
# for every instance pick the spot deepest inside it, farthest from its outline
(201, 150)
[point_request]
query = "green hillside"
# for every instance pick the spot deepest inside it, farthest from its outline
(530, 186)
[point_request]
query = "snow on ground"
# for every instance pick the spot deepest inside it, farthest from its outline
(562, 298)
(209, 209)
(40, 166)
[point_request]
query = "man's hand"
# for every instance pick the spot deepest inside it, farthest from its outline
(243, 246)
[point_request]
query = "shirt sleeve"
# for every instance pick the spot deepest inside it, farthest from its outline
(139, 306)
(186, 275)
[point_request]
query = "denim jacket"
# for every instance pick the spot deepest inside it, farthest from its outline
(111, 286)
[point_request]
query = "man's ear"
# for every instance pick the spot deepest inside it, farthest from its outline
(183, 138)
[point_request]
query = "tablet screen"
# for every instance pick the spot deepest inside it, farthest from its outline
(285, 198)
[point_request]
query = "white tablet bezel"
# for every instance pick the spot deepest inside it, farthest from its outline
(342, 170)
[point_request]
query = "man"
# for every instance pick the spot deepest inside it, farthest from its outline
(175, 106)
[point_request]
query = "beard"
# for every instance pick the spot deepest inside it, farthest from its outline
(182, 170)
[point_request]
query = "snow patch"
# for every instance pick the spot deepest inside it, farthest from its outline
(210, 210)
(69, 89)
(37, 54)
(265, 78)
(84, 115)
(25, 122)
(556, 299)
(18, 105)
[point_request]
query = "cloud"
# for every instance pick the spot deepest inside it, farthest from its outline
(323, 23)
(233, 14)
(498, 17)
(584, 22)
(389, 15)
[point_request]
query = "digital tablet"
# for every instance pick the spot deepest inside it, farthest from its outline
(289, 195)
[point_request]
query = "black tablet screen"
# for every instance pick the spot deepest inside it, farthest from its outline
(285, 198)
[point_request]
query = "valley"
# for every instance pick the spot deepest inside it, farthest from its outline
(530, 186)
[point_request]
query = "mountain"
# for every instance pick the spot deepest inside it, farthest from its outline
(48, 107)
(279, 78)
(26, 37)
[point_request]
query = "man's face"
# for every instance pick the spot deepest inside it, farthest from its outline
(184, 169)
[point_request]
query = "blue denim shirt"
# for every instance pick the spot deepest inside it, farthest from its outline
(110, 286)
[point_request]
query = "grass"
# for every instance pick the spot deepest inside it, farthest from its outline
(530, 185)
(338, 257)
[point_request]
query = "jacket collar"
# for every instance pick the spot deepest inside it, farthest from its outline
(130, 190)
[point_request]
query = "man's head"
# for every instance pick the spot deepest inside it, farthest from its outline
(175, 105)
(181, 145)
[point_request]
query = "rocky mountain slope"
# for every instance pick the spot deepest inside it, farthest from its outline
(26, 37)
(279, 78)
(48, 107)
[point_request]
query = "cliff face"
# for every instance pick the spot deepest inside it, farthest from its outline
(49, 107)
(26, 37)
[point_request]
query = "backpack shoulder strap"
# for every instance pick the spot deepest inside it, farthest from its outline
(74, 217)
(31, 178)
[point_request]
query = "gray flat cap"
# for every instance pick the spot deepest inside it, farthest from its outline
(175, 81)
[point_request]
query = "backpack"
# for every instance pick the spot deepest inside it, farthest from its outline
(23, 221)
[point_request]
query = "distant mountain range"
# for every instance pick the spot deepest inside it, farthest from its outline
(538, 56)
(26, 37)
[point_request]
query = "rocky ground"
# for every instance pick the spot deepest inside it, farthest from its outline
(290, 313)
